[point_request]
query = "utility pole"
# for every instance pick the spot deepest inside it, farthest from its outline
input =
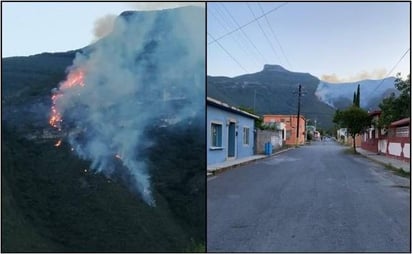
(297, 130)
(254, 103)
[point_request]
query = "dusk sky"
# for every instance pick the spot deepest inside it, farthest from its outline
(333, 41)
(33, 28)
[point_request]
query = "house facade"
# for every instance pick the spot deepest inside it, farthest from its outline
(290, 127)
(393, 142)
(230, 132)
(398, 140)
(344, 137)
(370, 138)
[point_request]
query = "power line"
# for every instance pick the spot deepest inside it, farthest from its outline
(387, 75)
(246, 36)
(298, 120)
(227, 52)
(242, 46)
(250, 22)
(274, 35)
(263, 31)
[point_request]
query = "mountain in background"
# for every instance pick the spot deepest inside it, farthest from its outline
(51, 199)
(274, 91)
(340, 95)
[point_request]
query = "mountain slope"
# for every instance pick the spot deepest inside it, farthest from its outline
(52, 200)
(276, 93)
(340, 95)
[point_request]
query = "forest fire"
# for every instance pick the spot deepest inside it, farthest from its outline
(59, 142)
(74, 78)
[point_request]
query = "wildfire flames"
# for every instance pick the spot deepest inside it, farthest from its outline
(74, 78)
(58, 143)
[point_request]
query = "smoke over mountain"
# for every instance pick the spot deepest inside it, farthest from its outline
(130, 77)
(103, 26)
(163, 5)
(375, 74)
(372, 92)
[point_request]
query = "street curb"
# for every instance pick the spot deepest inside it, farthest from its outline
(221, 170)
(378, 161)
(382, 163)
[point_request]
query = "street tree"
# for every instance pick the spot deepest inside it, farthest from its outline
(394, 108)
(356, 97)
(355, 119)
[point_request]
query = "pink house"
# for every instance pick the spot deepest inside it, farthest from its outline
(372, 135)
(399, 140)
(393, 142)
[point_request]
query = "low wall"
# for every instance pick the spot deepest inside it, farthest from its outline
(370, 145)
(264, 136)
(396, 147)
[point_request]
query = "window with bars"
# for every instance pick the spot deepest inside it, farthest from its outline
(246, 135)
(216, 135)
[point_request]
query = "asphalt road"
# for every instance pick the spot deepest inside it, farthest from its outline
(314, 198)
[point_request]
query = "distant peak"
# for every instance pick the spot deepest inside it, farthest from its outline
(274, 67)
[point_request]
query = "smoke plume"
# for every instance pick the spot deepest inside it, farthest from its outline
(141, 6)
(375, 74)
(131, 79)
(103, 26)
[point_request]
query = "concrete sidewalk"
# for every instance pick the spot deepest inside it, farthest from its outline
(217, 168)
(382, 159)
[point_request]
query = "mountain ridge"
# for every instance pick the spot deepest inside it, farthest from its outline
(53, 201)
(276, 92)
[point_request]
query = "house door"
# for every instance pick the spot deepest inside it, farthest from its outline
(231, 140)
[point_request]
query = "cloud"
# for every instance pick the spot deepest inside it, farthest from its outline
(374, 74)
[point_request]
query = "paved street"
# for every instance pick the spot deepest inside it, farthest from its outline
(314, 198)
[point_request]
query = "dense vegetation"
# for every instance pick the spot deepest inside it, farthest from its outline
(396, 107)
(53, 202)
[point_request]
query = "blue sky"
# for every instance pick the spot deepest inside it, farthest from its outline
(33, 28)
(335, 41)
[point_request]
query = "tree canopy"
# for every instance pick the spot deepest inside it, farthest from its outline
(354, 118)
(394, 108)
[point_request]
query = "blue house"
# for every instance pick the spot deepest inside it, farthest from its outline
(230, 132)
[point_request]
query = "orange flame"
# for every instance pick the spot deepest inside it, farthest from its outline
(74, 78)
(58, 143)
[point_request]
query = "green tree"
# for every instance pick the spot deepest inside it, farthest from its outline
(394, 108)
(354, 119)
(357, 102)
(258, 122)
(356, 97)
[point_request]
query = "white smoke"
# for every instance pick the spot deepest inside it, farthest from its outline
(103, 26)
(163, 5)
(374, 74)
(150, 58)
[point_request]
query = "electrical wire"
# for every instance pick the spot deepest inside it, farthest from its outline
(241, 46)
(387, 75)
(246, 36)
(228, 53)
(274, 35)
(263, 31)
(248, 23)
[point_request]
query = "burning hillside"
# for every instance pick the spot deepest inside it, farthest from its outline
(118, 87)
